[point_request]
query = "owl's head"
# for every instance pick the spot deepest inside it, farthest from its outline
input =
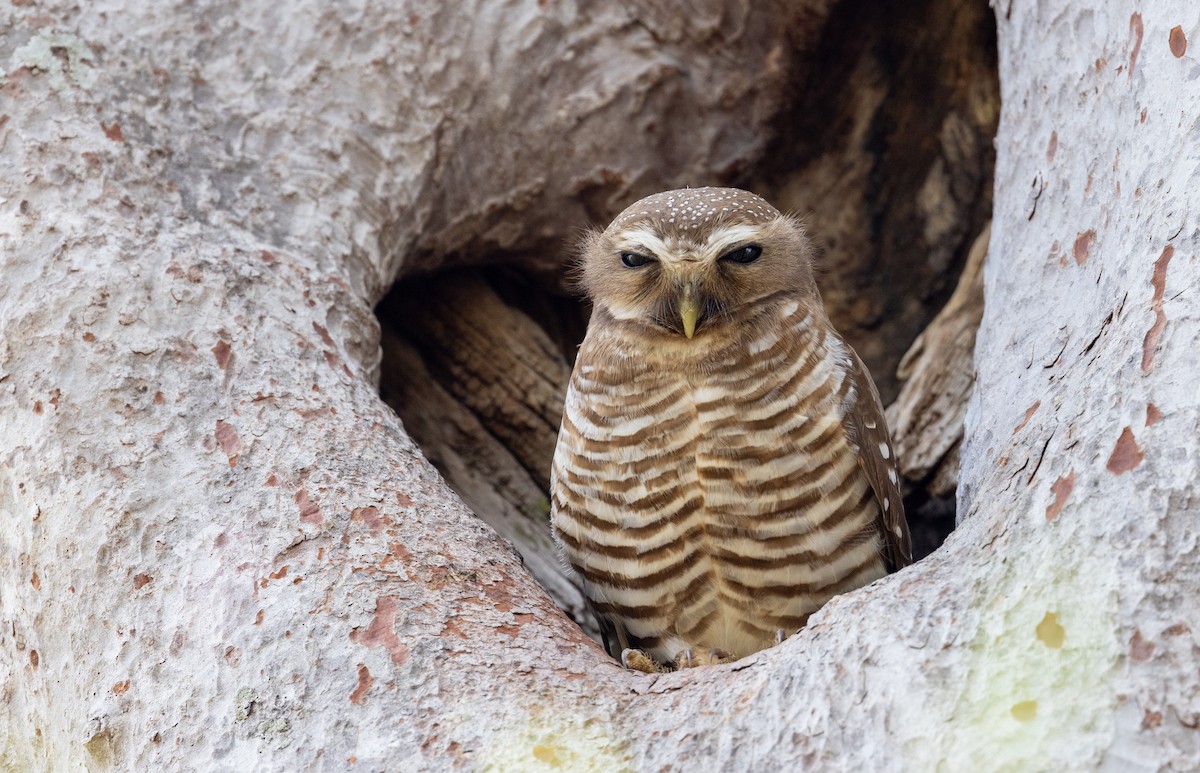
(697, 261)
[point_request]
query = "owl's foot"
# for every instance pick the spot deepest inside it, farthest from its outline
(638, 660)
(693, 657)
(782, 635)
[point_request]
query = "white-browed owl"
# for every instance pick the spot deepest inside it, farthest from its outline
(723, 467)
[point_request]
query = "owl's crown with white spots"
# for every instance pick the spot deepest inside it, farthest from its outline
(689, 209)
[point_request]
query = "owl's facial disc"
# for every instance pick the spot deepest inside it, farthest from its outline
(681, 282)
(697, 263)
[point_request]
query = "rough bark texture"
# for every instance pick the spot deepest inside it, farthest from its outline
(220, 550)
(1079, 485)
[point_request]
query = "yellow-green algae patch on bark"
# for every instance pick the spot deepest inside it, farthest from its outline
(63, 57)
(1039, 674)
(547, 742)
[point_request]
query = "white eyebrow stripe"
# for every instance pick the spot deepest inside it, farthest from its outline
(724, 239)
(645, 239)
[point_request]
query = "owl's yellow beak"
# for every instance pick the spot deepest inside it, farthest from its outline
(689, 309)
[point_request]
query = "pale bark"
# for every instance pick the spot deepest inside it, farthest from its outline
(220, 550)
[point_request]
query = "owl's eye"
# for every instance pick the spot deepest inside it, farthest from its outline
(743, 255)
(633, 260)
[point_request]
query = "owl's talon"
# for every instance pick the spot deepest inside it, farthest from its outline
(694, 657)
(638, 660)
(780, 636)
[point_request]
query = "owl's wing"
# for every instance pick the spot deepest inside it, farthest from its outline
(867, 429)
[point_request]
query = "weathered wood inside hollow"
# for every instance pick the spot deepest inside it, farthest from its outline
(887, 152)
(479, 466)
(938, 372)
(493, 359)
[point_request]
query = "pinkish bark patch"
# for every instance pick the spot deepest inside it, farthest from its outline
(310, 512)
(382, 631)
(1158, 280)
(114, 133)
(223, 353)
(1178, 42)
(1126, 455)
(400, 552)
(1083, 247)
(1061, 489)
(230, 443)
(1028, 415)
(365, 680)
(371, 517)
(324, 333)
(1140, 649)
(1138, 29)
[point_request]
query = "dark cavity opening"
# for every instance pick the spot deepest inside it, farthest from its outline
(885, 148)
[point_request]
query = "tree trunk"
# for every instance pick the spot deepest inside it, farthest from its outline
(221, 550)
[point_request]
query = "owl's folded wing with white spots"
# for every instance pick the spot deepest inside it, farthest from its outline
(867, 429)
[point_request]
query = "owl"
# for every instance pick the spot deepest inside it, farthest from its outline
(723, 467)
